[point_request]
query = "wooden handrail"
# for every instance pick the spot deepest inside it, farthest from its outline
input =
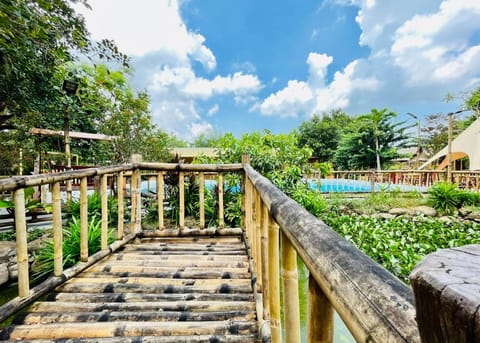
(375, 305)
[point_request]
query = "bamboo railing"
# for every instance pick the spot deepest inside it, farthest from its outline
(125, 232)
(374, 305)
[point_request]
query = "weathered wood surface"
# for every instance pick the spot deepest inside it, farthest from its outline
(374, 304)
(447, 295)
(140, 295)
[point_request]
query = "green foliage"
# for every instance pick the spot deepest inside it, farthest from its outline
(94, 208)
(31, 235)
(71, 246)
(371, 141)
(399, 244)
(473, 101)
(311, 200)
(30, 202)
(323, 133)
(446, 198)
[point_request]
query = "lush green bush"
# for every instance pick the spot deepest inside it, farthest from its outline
(31, 235)
(399, 244)
(446, 198)
(94, 208)
(71, 246)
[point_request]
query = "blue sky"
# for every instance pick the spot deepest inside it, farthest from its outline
(238, 66)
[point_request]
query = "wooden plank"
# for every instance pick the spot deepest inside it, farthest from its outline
(160, 200)
(104, 209)
(187, 259)
(190, 232)
(147, 297)
(122, 315)
(125, 328)
(191, 305)
(181, 200)
(121, 214)
(72, 134)
(274, 280)
(157, 339)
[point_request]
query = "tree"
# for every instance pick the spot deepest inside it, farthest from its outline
(371, 141)
(322, 134)
(473, 101)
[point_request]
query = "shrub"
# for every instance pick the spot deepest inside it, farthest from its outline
(94, 208)
(445, 197)
(71, 246)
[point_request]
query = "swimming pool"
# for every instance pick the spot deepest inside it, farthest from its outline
(357, 186)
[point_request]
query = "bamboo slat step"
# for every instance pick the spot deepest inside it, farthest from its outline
(158, 289)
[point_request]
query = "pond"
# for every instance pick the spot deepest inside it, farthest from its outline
(340, 333)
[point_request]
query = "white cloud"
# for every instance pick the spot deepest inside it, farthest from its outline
(419, 51)
(164, 50)
(213, 110)
(198, 129)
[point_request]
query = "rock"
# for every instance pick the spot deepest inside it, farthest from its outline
(400, 211)
(7, 249)
(386, 216)
(475, 216)
(464, 211)
(426, 210)
(36, 245)
(445, 219)
(4, 274)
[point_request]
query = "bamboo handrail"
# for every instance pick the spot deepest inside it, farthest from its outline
(373, 303)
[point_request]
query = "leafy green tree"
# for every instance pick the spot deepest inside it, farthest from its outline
(323, 133)
(371, 141)
(36, 37)
(473, 101)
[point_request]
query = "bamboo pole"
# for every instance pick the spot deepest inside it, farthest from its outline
(245, 160)
(21, 238)
(160, 200)
(104, 201)
(320, 315)
(57, 230)
(83, 220)
(181, 200)
(120, 184)
(201, 190)
(274, 281)
(248, 209)
(138, 222)
(257, 242)
(133, 202)
(221, 221)
(290, 291)
(265, 262)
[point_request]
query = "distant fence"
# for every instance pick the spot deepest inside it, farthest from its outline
(403, 180)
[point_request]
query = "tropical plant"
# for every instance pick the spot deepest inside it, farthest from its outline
(445, 197)
(371, 141)
(94, 207)
(43, 264)
(30, 202)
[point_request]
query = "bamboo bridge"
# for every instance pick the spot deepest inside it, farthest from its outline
(201, 284)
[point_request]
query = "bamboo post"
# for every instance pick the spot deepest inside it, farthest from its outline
(245, 161)
(201, 190)
(290, 291)
(274, 281)
(104, 202)
(265, 262)
(248, 209)
(133, 202)
(83, 220)
(257, 241)
(160, 200)
(57, 230)
(181, 200)
(320, 315)
(21, 238)
(221, 222)
(120, 185)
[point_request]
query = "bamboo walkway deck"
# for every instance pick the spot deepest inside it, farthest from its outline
(158, 289)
